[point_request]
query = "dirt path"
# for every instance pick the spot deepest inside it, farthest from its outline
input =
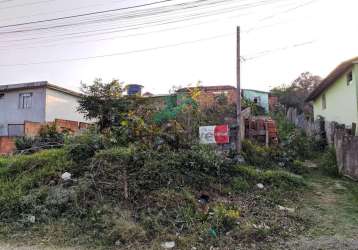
(331, 205)
(6, 246)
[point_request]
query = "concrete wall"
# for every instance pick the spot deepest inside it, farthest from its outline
(341, 101)
(62, 106)
(10, 113)
(263, 97)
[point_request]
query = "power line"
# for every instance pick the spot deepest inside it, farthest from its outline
(25, 4)
(148, 24)
(86, 14)
(117, 54)
(244, 58)
(151, 12)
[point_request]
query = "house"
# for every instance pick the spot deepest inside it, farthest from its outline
(336, 97)
(36, 103)
(209, 94)
(261, 98)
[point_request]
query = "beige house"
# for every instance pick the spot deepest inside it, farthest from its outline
(336, 98)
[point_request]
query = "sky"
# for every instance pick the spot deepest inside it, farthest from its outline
(279, 40)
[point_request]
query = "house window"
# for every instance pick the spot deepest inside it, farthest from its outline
(25, 100)
(257, 100)
(324, 101)
(349, 78)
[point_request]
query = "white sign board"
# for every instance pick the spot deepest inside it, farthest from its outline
(207, 135)
(214, 134)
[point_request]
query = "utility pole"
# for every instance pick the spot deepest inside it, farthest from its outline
(238, 87)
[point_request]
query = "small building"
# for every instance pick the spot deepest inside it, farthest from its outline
(261, 98)
(210, 94)
(336, 97)
(36, 102)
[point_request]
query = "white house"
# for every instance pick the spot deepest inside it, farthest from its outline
(35, 102)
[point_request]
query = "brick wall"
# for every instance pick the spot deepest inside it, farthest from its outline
(65, 125)
(7, 145)
(208, 95)
(32, 129)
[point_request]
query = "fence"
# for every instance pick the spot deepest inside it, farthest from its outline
(343, 140)
(346, 147)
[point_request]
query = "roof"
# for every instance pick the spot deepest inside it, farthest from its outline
(331, 78)
(208, 88)
(34, 85)
(258, 91)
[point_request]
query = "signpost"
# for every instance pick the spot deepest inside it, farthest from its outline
(214, 134)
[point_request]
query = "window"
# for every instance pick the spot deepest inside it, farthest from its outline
(257, 100)
(324, 101)
(25, 100)
(349, 78)
(2, 95)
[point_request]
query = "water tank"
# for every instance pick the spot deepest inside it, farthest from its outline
(134, 89)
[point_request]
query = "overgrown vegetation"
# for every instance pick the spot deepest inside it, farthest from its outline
(139, 181)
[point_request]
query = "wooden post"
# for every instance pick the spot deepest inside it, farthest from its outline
(238, 87)
(354, 128)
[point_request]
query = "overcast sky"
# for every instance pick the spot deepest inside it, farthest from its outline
(280, 39)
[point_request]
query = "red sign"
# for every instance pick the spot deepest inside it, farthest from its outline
(214, 134)
(221, 134)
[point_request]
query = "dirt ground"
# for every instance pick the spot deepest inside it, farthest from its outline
(331, 206)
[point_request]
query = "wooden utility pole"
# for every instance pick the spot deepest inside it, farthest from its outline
(238, 87)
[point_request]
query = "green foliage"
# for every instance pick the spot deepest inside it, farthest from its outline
(256, 110)
(82, 147)
(240, 184)
(328, 163)
(277, 178)
(19, 175)
(295, 94)
(259, 156)
(104, 102)
(48, 138)
(141, 171)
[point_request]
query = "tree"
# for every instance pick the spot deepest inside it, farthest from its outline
(103, 102)
(294, 95)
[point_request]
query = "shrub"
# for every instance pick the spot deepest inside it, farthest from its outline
(84, 146)
(22, 174)
(328, 163)
(48, 138)
(240, 184)
(277, 178)
(259, 156)
(132, 172)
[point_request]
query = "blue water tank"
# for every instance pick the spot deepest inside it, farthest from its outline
(134, 89)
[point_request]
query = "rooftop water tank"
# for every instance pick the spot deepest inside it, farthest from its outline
(134, 89)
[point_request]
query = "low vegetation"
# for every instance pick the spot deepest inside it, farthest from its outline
(140, 182)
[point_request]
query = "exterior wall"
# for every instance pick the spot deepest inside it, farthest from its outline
(7, 145)
(62, 106)
(264, 97)
(208, 98)
(341, 101)
(33, 129)
(10, 113)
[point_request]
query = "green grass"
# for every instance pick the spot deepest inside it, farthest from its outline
(332, 206)
(21, 174)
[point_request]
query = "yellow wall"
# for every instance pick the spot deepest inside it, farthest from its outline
(341, 101)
